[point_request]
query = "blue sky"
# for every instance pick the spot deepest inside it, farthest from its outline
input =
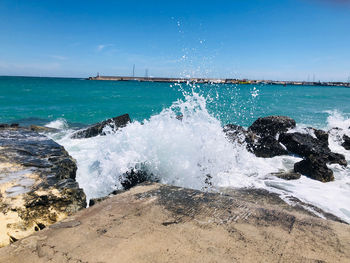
(256, 39)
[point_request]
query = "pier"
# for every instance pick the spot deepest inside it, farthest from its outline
(218, 81)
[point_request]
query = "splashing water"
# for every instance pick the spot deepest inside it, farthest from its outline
(192, 151)
(58, 124)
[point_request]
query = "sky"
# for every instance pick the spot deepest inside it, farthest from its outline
(254, 39)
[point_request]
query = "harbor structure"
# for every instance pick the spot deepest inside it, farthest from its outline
(147, 78)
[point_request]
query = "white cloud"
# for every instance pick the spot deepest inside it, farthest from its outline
(103, 46)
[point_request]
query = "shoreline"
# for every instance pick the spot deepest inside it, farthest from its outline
(198, 80)
(51, 206)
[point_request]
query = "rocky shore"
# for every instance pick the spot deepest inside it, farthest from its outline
(273, 136)
(157, 223)
(160, 223)
(37, 183)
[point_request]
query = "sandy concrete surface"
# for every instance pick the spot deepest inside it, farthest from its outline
(158, 223)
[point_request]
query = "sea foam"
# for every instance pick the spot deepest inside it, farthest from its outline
(60, 124)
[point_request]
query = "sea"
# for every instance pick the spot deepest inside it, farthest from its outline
(182, 153)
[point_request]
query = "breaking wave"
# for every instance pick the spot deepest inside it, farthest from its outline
(195, 153)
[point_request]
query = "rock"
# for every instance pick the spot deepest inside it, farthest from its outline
(37, 183)
(346, 143)
(266, 130)
(336, 158)
(287, 175)
(97, 129)
(267, 147)
(300, 143)
(162, 223)
(235, 133)
(135, 177)
(233, 128)
(322, 136)
(272, 125)
(37, 128)
(305, 145)
(262, 145)
(314, 168)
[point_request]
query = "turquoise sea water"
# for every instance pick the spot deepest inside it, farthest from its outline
(38, 100)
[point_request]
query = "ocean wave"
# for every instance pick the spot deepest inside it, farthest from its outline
(192, 151)
(60, 124)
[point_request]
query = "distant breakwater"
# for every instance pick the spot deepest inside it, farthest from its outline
(218, 81)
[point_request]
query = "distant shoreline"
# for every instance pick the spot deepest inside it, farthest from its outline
(197, 80)
(218, 81)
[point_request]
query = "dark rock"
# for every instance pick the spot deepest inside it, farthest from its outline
(314, 168)
(305, 145)
(97, 129)
(346, 143)
(272, 125)
(336, 158)
(37, 128)
(300, 143)
(233, 128)
(133, 178)
(236, 133)
(14, 125)
(4, 125)
(322, 136)
(64, 168)
(287, 175)
(262, 136)
(262, 145)
(267, 147)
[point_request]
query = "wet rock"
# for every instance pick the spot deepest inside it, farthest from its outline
(134, 177)
(262, 145)
(314, 168)
(305, 145)
(265, 131)
(236, 133)
(346, 142)
(233, 128)
(37, 183)
(272, 125)
(4, 125)
(267, 147)
(322, 136)
(37, 128)
(97, 129)
(287, 175)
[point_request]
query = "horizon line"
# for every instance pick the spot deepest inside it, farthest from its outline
(179, 78)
